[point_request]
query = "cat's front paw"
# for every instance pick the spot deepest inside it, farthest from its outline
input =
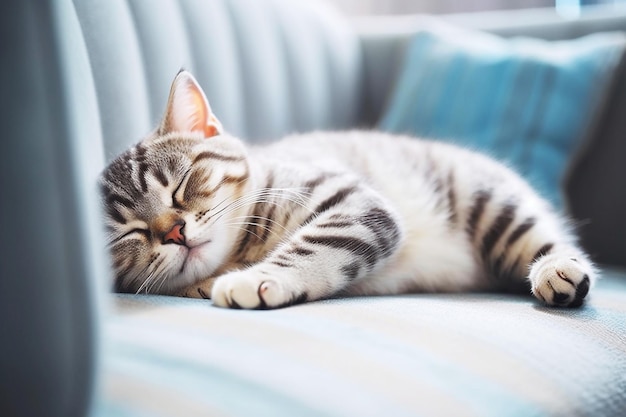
(200, 289)
(251, 289)
(559, 281)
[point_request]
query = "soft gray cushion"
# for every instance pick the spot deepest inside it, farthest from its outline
(269, 68)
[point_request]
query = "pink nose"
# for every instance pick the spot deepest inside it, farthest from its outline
(175, 235)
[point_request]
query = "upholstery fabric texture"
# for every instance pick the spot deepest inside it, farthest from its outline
(414, 355)
(527, 102)
(268, 68)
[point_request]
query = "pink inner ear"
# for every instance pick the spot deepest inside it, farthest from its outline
(210, 131)
(213, 128)
(189, 110)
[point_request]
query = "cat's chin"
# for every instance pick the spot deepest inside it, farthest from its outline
(195, 253)
(200, 262)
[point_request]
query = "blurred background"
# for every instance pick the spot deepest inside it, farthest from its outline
(368, 7)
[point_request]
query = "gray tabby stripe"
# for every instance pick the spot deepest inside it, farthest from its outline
(543, 251)
(160, 176)
(337, 224)
(217, 156)
(298, 250)
(497, 229)
(330, 202)
(480, 200)
(282, 264)
(269, 223)
(520, 230)
(452, 216)
(351, 271)
(314, 183)
(368, 252)
(380, 223)
(251, 220)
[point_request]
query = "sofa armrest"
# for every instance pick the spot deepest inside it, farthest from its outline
(49, 254)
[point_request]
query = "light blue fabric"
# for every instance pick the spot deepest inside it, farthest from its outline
(413, 355)
(527, 102)
(269, 68)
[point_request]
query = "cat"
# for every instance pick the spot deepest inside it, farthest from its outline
(192, 211)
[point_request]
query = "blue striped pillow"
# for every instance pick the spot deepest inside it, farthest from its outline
(525, 101)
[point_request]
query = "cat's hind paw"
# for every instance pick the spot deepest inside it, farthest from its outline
(559, 281)
(250, 289)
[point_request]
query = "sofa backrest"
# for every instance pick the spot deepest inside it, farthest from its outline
(268, 67)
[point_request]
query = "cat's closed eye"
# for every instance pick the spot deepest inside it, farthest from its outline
(134, 233)
(178, 191)
(139, 232)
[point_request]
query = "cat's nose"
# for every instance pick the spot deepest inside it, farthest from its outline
(176, 234)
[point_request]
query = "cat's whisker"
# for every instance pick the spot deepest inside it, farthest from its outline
(260, 197)
(246, 230)
(217, 205)
(161, 282)
(235, 208)
(251, 200)
(142, 273)
(156, 275)
(274, 222)
(236, 205)
(297, 197)
(152, 275)
(262, 226)
(146, 283)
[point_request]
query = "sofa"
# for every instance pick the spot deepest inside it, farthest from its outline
(83, 79)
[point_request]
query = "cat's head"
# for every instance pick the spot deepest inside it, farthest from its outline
(169, 200)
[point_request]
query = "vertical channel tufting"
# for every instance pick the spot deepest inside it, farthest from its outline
(308, 77)
(217, 63)
(164, 45)
(325, 56)
(288, 98)
(118, 72)
(327, 80)
(343, 59)
(269, 67)
(263, 73)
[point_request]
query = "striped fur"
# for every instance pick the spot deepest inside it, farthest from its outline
(313, 216)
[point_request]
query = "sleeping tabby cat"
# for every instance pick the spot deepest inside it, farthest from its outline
(192, 211)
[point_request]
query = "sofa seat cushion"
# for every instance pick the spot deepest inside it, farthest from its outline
(427, 354)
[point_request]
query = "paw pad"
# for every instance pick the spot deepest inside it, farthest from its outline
(560, 282)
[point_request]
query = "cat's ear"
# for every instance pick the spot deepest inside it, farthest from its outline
(188, 109)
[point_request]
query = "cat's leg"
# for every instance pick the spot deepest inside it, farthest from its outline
(200, 289)
(527, 243)
(350, 233)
